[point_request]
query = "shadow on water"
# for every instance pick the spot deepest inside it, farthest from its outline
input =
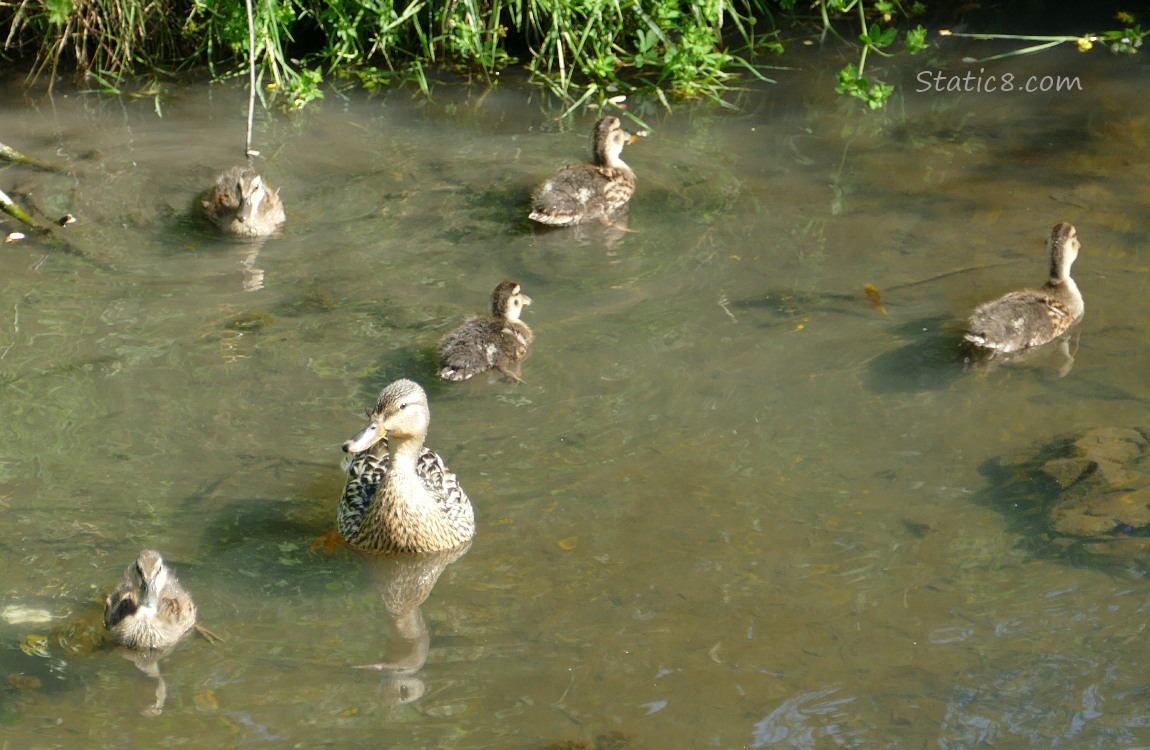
(931, 358)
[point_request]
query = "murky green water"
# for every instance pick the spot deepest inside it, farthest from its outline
(733, 505)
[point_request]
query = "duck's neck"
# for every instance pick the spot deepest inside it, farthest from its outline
(1061, 282)
(614, 161)
(404, 453)
(405, 490)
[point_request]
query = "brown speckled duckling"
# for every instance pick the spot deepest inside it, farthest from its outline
(149, 610)
(583, 192)
(1031, 317)
(399, 496)
(498, 341)
(240, 204)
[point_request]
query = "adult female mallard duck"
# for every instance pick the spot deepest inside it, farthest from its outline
(498, 341)
(399, 496)
(149, 610)
(240, 204)
(582, 192)
(1030, 317)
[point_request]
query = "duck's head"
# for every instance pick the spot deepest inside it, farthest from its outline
(508, 300)
(150, 576)
(608, 140)
(401, 412)
(1063, 245)
(251, 193)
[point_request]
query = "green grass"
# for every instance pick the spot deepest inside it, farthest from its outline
(580, 50)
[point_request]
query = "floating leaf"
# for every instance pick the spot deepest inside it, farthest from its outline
(875, 298)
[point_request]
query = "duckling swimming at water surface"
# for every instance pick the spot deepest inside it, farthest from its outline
(484, 342)
(582, 192)
(1031, 317)
(241, 204)
(149, 609)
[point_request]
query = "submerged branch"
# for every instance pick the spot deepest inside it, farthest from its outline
(8, 153)
(9, 207)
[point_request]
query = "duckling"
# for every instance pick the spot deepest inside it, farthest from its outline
(1031, 317)
(149, 610)
(582, 192)
(399, 496)
(240, 204)
(498, 341)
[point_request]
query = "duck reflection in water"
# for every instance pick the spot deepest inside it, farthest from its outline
(403, 582)
(1054, 360)
(147, 614)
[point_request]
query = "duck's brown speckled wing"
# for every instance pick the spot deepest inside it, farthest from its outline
(365, 472)
(120, 603)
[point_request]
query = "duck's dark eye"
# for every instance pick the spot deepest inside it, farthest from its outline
(403, 406)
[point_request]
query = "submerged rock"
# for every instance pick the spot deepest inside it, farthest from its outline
(1090, 491)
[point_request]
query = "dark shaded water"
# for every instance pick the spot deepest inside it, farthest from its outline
(733, 505)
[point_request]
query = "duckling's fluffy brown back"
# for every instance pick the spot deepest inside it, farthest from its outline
(582, 192)
(1020, 320)
(483, 343)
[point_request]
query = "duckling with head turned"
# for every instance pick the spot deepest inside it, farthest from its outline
(1031, 317)
(583, 192)
(400, 496)
(484, 342)
(149, 610)
(241, 204)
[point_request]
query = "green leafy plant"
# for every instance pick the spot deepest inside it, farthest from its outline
(874, 39)
(580, 50)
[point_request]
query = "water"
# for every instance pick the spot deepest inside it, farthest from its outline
(733, 504)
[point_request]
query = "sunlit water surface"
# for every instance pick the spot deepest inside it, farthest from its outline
(734, 504)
